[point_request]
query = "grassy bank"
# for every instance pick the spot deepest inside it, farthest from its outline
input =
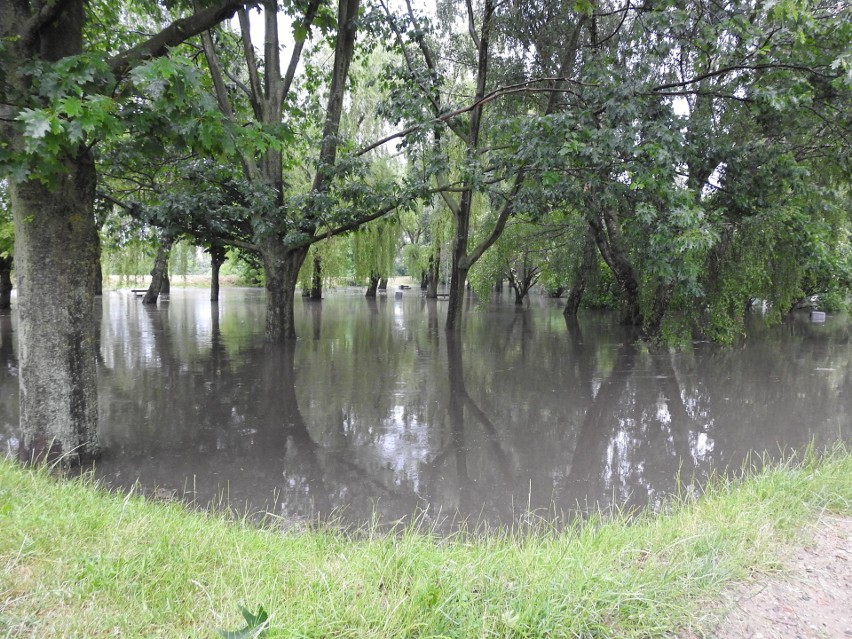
(78, 562)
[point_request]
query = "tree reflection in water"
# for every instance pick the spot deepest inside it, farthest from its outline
(378, 412)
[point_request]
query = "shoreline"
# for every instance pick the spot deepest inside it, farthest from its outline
(80, 561)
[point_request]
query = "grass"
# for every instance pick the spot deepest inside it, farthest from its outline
(77, 561)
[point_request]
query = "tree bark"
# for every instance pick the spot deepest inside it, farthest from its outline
(383, 284)
(281, 266)
(218, 255)
(607, 234)
(5, 282)
(158, 273)
(575, 295)
(54, 256)
(316, 280)
(434, 275)
(373, 285)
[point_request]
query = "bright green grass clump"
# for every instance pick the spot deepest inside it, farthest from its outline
(76, 561)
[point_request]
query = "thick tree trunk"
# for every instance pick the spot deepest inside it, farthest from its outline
(281, 266)
(218, 255)
(383, 284)
(316, 280)
(5, 283)
(54, 257)
(372, 286)
(158, 273)
(575, 295)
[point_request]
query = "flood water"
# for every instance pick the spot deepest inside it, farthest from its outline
(376, 414)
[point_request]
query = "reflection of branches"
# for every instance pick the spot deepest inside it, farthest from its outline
(459, 401)
(594, 434)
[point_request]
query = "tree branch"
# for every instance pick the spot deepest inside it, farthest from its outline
(173, 35)
(45, 15)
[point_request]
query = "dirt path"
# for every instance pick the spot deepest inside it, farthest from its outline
(811, 599)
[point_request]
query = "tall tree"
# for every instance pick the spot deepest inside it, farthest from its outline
(57, 99)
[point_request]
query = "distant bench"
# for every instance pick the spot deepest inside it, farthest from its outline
(139, 291)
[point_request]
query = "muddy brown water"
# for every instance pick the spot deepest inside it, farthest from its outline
(376, 414)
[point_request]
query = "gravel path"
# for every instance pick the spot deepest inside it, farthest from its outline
(810, 599)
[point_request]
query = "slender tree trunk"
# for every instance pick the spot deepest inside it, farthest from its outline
(158, 273)
(459, 269)
(608, 238)
(54, 257)
(316, 280)
(166, 283)
(5, 283)
(281, 266)
(575, 295)
(218, 255)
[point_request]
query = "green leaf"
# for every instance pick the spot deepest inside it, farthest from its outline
(257, 625)
(37, 123)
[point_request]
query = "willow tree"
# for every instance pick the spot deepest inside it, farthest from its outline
(58, 97)
(374, 248)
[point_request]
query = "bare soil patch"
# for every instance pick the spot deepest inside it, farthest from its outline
(811, 598)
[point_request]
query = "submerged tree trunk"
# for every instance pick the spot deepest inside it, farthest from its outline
(218, 255)
(373, 285)
(662, 299)
(54, 256)
(281, 266)
(575, 295)
(166, 283)
(5, 283)
(383, 284)
(316, 279)
(158, 273)
(434, 274)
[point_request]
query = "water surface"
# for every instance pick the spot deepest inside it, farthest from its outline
(377, 413)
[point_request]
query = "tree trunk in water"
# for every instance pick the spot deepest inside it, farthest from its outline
(54, 257)
(158, 273)
(383, 284)
(662, 298)
(217, 258)
(281, 266)
(575, 295)
(166, 284)
(316, 280)
(5, 283)
(434, 275)
(424, 278)
(608, 240)
(372, 286)
(458, 273)
(456, 298)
